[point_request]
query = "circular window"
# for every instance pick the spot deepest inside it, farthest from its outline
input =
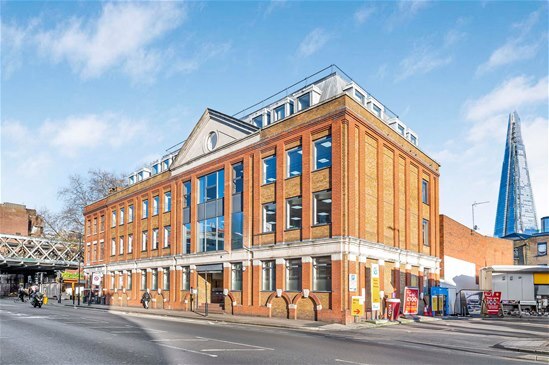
(211, 141)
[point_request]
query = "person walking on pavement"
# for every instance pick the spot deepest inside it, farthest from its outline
(90, 296)
(146, 298)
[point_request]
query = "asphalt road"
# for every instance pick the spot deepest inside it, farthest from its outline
(57, 334)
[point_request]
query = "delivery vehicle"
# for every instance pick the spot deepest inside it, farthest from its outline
(524, 288)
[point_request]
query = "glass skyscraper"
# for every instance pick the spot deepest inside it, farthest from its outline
(516, 210)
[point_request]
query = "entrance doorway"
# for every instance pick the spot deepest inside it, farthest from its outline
(210, 287)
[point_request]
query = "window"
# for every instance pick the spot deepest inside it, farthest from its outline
(211, 141)
(120, 281)
(102, 224)
(155, 239)
(377, 110)
(113, 219)
(154, 279)
(303, 102)
(280, 112)
(211, 234)
(130, 214)
(322, 209)
(425, 191)
(132, 179)
(322, 274)
(166, 278)
(237, 228)
(187, 237)
(413, 139)
(293, 213)
(258, 121)
(211, 186)
(94, 225)
(130, 243)
(236, 276)
(542, 248)
(167, 236)
(238, 178)
(167, 201)
(269, 217)
(401, 129)
(269, 276)
(165, 164)
(112, 279)
(113, 246)
(143, 279)
(291, 107)
(121, 245)
(145, 208)
(269, 169)
(323, 152)
(359, 96)
(129, 281)
(293, 275)
(101, 249)
(156, 168)
(185, 278)
(144, 237)
(186, 194)
(294, 157)
(121, 216)
(425, 232)
(88, 229)
(155, 205)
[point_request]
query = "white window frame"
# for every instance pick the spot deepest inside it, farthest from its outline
(167, 201)
(130, 243)
(156, 204)
(167, 236)
(130, 213)
(320, 141)
(113, 218)
(265, 169)
(264, 210)
(288, 160)
(121, 217)
(121, 245)
(155, 239)
(145, 208)
(288, 212)
(144, 239)
(315, 209)
(113, 246)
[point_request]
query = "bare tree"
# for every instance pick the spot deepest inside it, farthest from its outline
(80, 192)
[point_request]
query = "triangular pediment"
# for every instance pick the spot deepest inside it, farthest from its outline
(213, 131)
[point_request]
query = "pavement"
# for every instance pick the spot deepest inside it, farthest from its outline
(536, 346)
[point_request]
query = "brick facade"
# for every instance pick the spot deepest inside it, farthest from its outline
(16, 219)
(375, 179)
(529, 251)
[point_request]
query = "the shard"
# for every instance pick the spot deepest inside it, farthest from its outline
(516, 210)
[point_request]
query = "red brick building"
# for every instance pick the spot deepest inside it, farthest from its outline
(16, 219)
(273, 214)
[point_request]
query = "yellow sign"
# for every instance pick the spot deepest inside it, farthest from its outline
(45, 299)
(357, 308)
(541, 278)
(436, 303)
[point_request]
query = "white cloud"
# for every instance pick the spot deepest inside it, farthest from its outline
(511, 94)
(122, 33)
(275, 5)
(313, 42)
(404, 12)
(12, 41)
(453, 36)
(421, 61)
(204, 54)
(363, 13)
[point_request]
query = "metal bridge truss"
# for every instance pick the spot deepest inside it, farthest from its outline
(36, 253)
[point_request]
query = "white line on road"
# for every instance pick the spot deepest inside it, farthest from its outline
(235, 343)
(181, 339)
(351, 362)
(186, 350)
(216, 350)
(118, 332)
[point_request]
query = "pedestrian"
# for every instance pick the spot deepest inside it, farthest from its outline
(90, 296)
(146, 298)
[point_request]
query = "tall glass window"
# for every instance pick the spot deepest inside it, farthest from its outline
(121, 216)
(294, 164)
(185, 278)
(258, 121)
(167, 201)
(269, 169)
(212, 234)
(102, 224)
(186, 194)
(238, 178)
(237, 228)
(293, 213)
(113, 220)
(322, 209)
(236, 276)
(280, 112)
(322, 273)
(268, 275)
(120, 281)
(187, 237)
(155, 239)
(269, 217)
(145, 208)
(425, 191)
(155, 205)
(130, 243)
(113, 246)
(167, 236)
(143, 279)
(293, 275)
(425, 232)
(323, 152)
(154, 279)
(144, 237)
(166, 278)
(129, 280)
(130, 214)
(121, 245)
(211, 186)
(304, 101)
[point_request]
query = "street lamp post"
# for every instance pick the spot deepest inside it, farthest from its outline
(79, 259)
(473, 211)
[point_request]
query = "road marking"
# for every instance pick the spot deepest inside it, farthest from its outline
(235, 343)
(186, 350)
(126, 332)
(215, 350)
(181, 339)
(351, 362)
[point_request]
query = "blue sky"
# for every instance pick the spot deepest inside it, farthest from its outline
(112, 85)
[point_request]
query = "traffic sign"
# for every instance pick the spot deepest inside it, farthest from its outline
(357, 306)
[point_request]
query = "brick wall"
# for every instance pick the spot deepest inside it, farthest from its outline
(16, 219)
(461, 242)
(529, 250)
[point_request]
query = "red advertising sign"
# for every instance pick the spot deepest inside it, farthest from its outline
(411, 300)
(492, 302)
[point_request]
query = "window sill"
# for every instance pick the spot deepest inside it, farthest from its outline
(321, 224)
(269, 183)
(292, 229)
(291, 177)
(322, 291)
(270, 232)
(322, 168)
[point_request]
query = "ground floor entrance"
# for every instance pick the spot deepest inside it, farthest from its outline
(209, 287)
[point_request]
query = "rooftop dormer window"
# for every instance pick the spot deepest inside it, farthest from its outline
(360, 96)
(280, 113)
(140, 176)
(304, 102)
(377, 110)
(156, 168)
(132, 179)
(258, 121)
(165, 164)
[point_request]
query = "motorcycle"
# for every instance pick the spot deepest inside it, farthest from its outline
(37, 299)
